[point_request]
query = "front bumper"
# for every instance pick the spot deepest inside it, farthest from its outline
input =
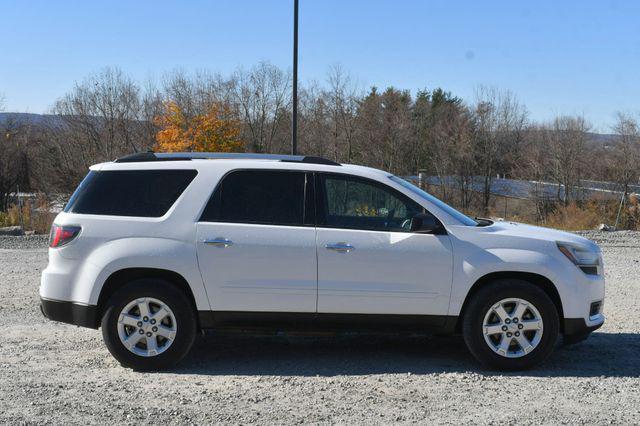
(70, 312)
(577, 329)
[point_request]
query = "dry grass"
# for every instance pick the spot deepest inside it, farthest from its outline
(589, 215)
(34, 215)
(574, 218)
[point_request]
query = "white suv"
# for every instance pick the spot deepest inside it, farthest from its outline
(155, 247)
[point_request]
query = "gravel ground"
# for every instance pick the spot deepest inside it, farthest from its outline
(56, 373)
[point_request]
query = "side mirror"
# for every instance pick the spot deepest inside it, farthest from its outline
(423, 223)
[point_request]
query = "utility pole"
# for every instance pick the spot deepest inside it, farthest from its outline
(294, 119)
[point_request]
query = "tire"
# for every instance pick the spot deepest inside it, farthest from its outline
(524, 351)
(172, 329)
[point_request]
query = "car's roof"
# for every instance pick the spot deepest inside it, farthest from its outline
(226, 161)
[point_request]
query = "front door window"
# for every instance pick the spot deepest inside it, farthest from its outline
(354, 203)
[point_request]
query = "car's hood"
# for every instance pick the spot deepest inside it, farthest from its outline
(522, 230)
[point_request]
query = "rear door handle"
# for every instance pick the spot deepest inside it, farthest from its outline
(218, 242)
(340, 247)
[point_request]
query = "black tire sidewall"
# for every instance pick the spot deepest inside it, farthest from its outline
(493, 293)
(179, 304)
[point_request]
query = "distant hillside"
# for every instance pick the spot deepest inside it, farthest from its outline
(602, 139)
(27, 118)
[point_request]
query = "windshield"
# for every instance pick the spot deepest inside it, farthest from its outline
(465, 220)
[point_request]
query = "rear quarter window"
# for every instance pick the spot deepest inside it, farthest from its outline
(141, 193)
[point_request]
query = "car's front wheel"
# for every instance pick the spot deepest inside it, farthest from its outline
(511, 325)
(149, 324)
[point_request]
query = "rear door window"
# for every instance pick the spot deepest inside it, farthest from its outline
(141, 193)
(260, 197)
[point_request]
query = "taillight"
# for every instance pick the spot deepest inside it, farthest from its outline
(61, 235)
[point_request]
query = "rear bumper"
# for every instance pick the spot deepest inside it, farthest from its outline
(69, 312)
(577, 329)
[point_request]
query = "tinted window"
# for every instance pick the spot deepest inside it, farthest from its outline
(361, 204)
(259, 196)
(465, 220)
(142, 193)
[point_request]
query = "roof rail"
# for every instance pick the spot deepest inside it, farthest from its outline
(187, 156)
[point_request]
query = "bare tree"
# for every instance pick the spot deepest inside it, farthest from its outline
(534, 163)
(151, 106)
(196, 93)
(13, 156)
(179, 88)
(452, 145)
(102, 120)
(626, 153)
(263, 98)
(567, 139)
(99, 107)
(500, 120)
(314, 126)
(342, 102)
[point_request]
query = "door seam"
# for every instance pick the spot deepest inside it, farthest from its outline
(317, 270)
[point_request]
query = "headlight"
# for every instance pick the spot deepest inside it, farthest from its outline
(584, 258)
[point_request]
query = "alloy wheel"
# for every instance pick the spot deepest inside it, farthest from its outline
(512, 327)
(147, 326)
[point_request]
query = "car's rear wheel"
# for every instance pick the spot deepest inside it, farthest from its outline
(149, 324)
(511, 325)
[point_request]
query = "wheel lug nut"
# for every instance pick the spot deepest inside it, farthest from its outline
(504, 328)
(149, 334)
(139, 323)
(520, 326)
(145, 319)
(517, 333)
(515, 320)
(152, 321)
(154, 329)
(141, 331)
(509, 334)
(508, 321)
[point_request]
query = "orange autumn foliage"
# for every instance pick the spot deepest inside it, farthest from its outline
(213, 131)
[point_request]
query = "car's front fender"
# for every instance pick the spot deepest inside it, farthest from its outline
(470, 269)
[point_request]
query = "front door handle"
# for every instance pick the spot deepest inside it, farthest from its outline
(340, 247)
(218, 242)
